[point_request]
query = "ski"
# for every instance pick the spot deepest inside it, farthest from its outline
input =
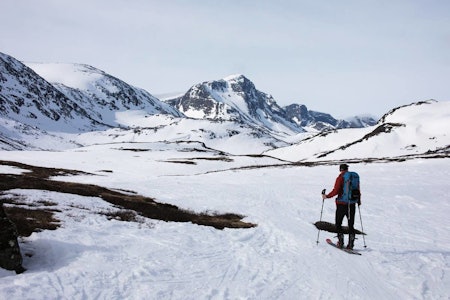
(349, 251)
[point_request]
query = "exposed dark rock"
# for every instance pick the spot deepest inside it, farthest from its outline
(215, 100)
(235, 99)
(27, 97)
(383, 128)
(300, 114)
(392, 111)
(24, 94)
(10, 256)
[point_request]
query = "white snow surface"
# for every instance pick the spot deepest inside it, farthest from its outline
(100, 93)
(225, 136)
(231, 104)
(20, 136)
(12, 170)
(418, 128)
(77, 76)
(404, 212)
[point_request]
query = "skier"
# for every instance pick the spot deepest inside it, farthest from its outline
(343, 209)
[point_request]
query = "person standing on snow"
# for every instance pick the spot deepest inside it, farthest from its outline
(343, 209)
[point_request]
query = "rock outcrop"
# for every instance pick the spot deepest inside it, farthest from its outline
(10, 256)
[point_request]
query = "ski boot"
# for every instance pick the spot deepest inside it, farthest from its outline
(340, 243)
(351, 241)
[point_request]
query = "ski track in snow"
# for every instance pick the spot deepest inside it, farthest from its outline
(405, 213)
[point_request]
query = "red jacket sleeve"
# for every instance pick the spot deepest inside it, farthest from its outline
(337, 190)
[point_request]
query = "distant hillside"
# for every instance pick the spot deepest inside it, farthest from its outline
(236, 98)
(415, 129)
(60, 106)
(319, 121)
(99, 93)
(27, 98)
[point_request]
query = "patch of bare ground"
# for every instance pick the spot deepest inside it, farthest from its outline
(192, 161)
(28, 219)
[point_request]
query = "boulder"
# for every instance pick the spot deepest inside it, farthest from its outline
(10, 256)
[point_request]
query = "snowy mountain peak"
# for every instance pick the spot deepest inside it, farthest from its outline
(235, 77)
(398, 113)
(99, 93)
(416, 130)
(78, 76)
(27, 98)
(240, 83)
(63, 97)
(234, 98)
(300, 114)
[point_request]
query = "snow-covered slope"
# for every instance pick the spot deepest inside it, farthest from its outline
(235, 98)
(318, 121)
(414, 129)
(18, 136)
(230, 114)
(33, 119)
(224, 136)
(404, 211)
(100, 93)
(27, 98)
(358, 121)
(55, 99)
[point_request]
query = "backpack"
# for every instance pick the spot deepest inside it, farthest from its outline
(350, 192)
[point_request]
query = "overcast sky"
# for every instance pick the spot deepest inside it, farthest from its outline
(341, 57)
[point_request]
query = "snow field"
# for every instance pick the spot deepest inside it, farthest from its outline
(405, 213)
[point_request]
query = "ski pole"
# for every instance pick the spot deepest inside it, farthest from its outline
(321, 210)
(362, 228)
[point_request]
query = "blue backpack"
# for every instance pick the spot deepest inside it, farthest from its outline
(351, 193)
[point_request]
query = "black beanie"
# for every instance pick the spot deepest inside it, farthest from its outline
(343, 167)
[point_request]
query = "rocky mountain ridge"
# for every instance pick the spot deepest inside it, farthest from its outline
(28, 98)
(69, 98)
(410, 131)
(80, 98)
(236, 98)
(299, 114)
(100, 93)
(48, 103)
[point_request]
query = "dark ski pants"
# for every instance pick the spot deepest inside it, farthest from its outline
(343, 210)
